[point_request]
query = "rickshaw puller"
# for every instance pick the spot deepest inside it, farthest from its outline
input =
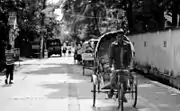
(121, 54)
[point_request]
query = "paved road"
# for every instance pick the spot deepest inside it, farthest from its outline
(56, 84)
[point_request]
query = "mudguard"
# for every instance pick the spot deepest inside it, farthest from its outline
(94, 78)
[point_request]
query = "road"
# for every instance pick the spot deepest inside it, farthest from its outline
(57, 84)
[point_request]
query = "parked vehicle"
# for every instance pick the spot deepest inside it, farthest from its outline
(54, 47)
(88, 49)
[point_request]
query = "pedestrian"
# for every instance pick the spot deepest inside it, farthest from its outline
(9, 53)
(75, 53)
(64, 50)
(69, 51)
(79, 52)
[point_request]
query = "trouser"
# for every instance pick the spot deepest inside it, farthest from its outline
(114, 79)
(10, 71)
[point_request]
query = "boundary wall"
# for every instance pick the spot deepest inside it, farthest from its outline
(158, 54)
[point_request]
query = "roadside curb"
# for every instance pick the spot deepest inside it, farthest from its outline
(166, 86)
(159, 83)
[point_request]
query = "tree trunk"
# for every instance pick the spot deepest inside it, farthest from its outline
(130, 15)
(42, 35)
(174, 14)
(97, 32)
(161, 19)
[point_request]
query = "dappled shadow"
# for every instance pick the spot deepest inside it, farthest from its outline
(72, 70)
(51, 68)
(113, 107)
(67, 73)
(6, 85)
(74, 75)
(110, 108)
(60, 90)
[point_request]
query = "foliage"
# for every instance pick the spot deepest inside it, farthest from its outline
(140, 15)
(92, 13)
(29, 18)
(52, 27)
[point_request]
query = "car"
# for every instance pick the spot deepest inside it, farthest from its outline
(54, 47)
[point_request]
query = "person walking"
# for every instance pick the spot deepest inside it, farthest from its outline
(9, 53)
(64, 50)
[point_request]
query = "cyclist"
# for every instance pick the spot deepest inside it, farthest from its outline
(121, 54)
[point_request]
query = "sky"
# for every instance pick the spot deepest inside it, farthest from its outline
(57, 11)
(53, 1)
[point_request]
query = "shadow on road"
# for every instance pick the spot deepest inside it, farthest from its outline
(64, 74)
(115, 108)
(58, 93)
(70, 73)
(51, 68)
(6, 85)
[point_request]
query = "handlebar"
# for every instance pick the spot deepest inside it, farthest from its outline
(123, 72)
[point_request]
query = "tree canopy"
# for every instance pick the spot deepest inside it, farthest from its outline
(95, 17)
(29, 16)
(91, 18)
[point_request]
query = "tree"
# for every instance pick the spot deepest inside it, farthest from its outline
(144, 15)
(83, 12)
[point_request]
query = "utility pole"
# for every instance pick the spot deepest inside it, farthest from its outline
(42, 34)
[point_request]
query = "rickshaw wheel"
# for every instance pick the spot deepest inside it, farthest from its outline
(94, 95)
(98, 88)
(83, 65)
(120, 97)
(134, 91)
(83, 70)
(95, 72)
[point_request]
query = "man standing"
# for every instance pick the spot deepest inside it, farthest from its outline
(9, 53)
(121, 54)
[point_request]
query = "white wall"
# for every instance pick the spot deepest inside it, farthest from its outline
(155, 53)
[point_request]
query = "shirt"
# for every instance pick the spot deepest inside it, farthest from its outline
(9, 57)
(121, 54)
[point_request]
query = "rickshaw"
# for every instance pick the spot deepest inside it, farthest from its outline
(102, 74)
(88, 54)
